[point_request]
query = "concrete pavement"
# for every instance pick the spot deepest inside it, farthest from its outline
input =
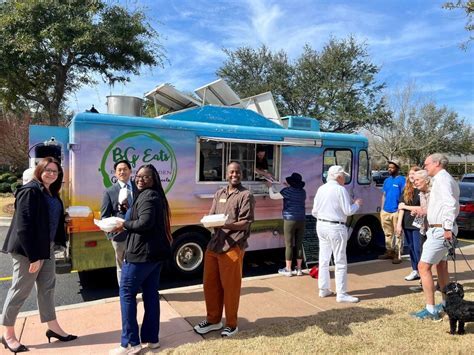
(5, 221)
(265, 301)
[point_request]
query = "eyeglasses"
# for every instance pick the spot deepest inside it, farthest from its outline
(143, 177)
(51, 171)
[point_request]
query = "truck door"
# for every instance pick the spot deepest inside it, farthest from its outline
(344, 158)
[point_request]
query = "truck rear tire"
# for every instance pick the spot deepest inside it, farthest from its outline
(188, 253)
(364, 234)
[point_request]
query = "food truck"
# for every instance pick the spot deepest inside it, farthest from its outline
(191, 146)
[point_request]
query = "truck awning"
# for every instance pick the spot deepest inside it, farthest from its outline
(287, 141)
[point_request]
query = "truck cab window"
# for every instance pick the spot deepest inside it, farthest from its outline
(363, 175)
(342, 157)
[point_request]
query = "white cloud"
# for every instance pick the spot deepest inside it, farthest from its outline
(409, 40)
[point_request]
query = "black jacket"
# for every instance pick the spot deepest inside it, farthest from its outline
(146, 241)
(29, 231)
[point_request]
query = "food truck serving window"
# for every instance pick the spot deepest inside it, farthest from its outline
(258, 161)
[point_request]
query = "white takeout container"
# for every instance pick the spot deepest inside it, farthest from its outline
(79, 211)
(107, 224)
(214, 220)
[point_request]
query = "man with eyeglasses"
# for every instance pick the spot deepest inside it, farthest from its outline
(442, 210)
(112, 207)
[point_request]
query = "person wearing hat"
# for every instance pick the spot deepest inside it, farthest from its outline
(294, 197)
(392, 191)
(331, 207)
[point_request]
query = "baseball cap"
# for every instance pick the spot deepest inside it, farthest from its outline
(336, 170)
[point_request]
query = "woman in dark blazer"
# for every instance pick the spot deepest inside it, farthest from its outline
(37, 225)
(148, 246)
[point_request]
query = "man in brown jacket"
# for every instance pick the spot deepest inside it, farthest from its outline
(225, 253)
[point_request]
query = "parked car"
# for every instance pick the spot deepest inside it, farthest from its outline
(468, 178)
(379, 176)
(465, 219)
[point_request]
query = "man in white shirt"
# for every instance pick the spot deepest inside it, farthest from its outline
(331, 207)
(442, 210)
(112, 207)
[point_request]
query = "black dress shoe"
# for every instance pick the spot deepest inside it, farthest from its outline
(50, 334)
(20, 349)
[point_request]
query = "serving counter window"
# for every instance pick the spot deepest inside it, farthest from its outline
(258, 161)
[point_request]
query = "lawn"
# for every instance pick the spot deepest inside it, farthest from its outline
(381, 326)
(6, 204)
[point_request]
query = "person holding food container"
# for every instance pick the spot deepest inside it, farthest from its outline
(225, 253)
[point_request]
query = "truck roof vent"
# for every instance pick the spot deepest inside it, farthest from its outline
(301, 123)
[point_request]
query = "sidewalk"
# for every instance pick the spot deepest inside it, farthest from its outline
(5, 221)
(264, 301)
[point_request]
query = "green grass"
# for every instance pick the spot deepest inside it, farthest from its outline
(381, 326)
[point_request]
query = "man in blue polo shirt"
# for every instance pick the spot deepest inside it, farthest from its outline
(392, 190)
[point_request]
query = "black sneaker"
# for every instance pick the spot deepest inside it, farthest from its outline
(205, 327)
(418, 288)
(228, 331)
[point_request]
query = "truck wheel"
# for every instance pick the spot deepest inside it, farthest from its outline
(363, 235)
(188, 253)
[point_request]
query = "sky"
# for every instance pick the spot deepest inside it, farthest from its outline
(414, 42)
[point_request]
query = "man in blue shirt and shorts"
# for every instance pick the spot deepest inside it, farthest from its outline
(392, 190)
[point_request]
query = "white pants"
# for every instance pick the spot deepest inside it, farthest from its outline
(332, 240)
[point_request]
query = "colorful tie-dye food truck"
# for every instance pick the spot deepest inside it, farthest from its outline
(191, 149)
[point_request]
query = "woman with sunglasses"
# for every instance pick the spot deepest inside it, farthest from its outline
(148, 246)
(37, 225)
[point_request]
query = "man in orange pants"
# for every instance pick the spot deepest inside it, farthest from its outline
(225, 253)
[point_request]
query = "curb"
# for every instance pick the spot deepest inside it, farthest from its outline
(5, 221)
(189, 288)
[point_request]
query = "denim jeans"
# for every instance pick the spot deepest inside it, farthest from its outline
(147, 276)
(412, 239)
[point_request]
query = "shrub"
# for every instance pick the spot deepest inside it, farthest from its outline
(12, 179)
(6, 176)
(15, 185)
(5, 187)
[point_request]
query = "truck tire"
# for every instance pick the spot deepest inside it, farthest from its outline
(364, 235)
(188, 253)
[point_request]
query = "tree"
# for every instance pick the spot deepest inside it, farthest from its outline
(468, 7)
(420, 128)
(337, 85)
(51, 48)
(14, 138)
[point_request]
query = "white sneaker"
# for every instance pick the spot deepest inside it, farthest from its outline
(153, 345)
(128, 350)
(285, 272)
(346, 298)
(413, 276)
(228, 331)
(325, 292)
(297, 272)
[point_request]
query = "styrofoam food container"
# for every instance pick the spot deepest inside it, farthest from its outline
(79, 211)
(108, 224)
(214, 220)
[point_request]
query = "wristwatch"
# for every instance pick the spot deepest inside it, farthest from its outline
(447, 225)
